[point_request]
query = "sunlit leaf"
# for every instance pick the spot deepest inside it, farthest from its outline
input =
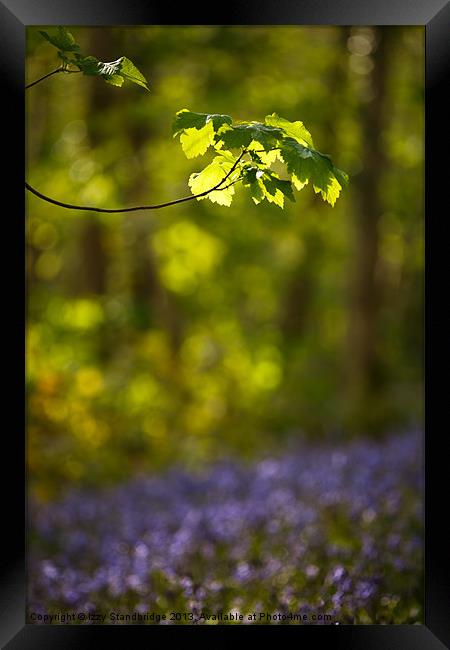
(266, 185)
(332, 191)
(209, 178)
(186, 119)
(252, 180)
(241, 135)
(259, 155)
(273, 183)
(195, 141)
(272, 193)
(277, 139)
(295, 130)
(305, 164)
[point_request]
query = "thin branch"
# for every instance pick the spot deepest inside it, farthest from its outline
(33, 83)
(61, 69)
(266, 150)
(61, 204)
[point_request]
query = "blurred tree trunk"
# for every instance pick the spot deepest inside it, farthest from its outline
(364, 378)
(91, 272)
(93, 256)
(153, 304)
(300, 291)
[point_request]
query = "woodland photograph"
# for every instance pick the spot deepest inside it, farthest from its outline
(224, 238)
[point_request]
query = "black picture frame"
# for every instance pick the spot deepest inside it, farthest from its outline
(15, 16)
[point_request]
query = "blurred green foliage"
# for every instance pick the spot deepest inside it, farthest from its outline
(199, 330)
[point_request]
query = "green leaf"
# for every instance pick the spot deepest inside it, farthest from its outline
(226, 156)
(266, 158)
(186, 119)
(256, 157)
(113, 72)
(131, 73)
(114, 80)
(92, 66)
(275, 189)
(331, 192)
(252, 180)
(284, 186)
(305, 164)
(88, 65)
(257, 191)
(63, 40)
(295, 130)
(290, 142)
(265, 184)
(241, 135)
(341, 176)
(195, 142)
(209, 178)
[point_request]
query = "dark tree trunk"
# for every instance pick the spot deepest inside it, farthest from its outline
(364, 369)
(297, 305)
(92, 260)
(299, 296)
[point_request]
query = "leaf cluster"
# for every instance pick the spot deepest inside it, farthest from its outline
(245, 151)
(249, 149)
(114, 72)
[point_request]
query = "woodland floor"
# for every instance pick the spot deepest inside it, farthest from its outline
(325, 530)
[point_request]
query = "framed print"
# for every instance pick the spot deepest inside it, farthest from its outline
(232, 412)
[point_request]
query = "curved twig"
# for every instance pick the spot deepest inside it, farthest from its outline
(61, 69)
(61, 204)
